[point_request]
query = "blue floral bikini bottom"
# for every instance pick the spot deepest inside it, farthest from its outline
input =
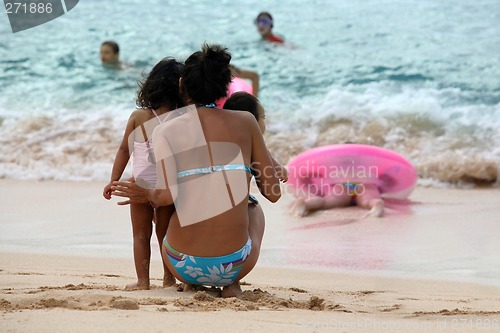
(210, 271)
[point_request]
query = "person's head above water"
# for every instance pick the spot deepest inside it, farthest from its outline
(161, 86)
(247, 102)
(265, 24)
(207, 74)
(110, 52)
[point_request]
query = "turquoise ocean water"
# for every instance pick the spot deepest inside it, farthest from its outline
(420, 77)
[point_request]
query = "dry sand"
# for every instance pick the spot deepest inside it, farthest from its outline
(48, 293)
(55, 293)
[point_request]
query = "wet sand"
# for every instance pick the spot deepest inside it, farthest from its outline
(65, 257)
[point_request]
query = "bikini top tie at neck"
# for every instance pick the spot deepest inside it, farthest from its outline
(208, 106)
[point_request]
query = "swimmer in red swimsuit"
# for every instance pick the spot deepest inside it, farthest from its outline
(264, 22)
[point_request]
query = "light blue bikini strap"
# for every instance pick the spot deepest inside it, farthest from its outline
(212, 169)
(208, 106)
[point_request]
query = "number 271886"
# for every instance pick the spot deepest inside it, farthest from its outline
(28, 8)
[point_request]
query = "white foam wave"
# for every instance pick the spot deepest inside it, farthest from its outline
(448, 140)
(61, 145)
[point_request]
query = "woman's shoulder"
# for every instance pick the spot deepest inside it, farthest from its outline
(243, 120)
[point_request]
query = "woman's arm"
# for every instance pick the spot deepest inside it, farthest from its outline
(281, 171)
(262, 164)
(137, 194)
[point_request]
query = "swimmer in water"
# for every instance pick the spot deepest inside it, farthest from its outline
(110, 53)
(265, 24)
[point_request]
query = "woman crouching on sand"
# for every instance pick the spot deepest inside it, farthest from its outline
(206, 157)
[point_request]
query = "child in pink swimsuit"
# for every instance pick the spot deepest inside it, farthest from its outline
(158, 94)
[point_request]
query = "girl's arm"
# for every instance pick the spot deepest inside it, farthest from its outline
(122, 157)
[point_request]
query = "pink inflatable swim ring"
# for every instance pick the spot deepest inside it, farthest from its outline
(317, 169)
(235, 85)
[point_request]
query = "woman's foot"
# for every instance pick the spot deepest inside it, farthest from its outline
(168, 279)
(232, 290)
(139, 285)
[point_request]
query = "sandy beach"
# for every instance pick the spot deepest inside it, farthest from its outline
(64, 287)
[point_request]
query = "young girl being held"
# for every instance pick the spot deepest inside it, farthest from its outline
(157, 95)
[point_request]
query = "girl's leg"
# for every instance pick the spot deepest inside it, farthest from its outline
(369, 198)
(163, 215)
(256, 227)
(142, 215)
(338, 197)
(303, 206)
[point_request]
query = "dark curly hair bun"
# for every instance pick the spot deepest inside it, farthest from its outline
(207, 74)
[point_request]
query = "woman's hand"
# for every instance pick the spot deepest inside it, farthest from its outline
(130, 190)
(106, 193)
